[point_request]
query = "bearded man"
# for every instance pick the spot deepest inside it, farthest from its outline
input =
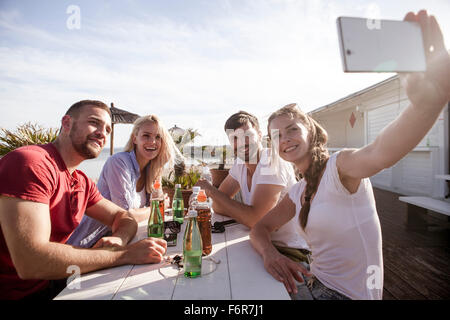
(43, 198)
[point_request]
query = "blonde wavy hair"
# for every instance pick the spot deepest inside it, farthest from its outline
(167, 153)
(318, 152)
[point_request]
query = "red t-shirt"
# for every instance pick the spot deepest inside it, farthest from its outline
(38, 173)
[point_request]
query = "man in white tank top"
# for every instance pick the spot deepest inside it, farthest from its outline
(262, 186)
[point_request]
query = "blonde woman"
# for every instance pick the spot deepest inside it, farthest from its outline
(127, 177)
(334, 203)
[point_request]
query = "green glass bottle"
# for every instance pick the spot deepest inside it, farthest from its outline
(178, 205)
(155, 221)
(192, 247)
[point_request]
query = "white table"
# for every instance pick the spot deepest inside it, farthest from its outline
(239, 275)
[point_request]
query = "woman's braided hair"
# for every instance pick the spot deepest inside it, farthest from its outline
(317, 149)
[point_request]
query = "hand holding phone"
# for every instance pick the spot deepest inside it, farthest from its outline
(414, 46)
(430, 89)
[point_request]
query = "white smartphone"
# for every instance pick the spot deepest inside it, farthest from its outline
(380, 45)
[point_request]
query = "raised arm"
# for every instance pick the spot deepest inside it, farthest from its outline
(26, 228)
(428, 93)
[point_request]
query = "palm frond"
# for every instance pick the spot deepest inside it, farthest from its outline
(24, 135)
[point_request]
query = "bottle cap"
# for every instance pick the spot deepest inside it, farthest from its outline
(192, 213)
(178, 186)
(196, 189)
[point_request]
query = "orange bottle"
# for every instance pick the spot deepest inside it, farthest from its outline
(204, 220)
(157, 194)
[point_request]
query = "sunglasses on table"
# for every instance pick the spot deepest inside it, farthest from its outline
(171, 230)
(219, 227)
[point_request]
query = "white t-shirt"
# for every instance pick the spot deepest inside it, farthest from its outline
(287, 235)
(344, 234)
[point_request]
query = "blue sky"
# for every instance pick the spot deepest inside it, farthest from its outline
(193, 63)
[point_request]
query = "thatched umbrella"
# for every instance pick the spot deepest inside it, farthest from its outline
(119, 116)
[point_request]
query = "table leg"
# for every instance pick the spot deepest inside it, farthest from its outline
(416, 218)
(448, 194)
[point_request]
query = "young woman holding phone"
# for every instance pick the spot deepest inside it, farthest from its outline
(334, 203)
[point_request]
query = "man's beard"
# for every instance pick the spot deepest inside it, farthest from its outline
(83, 148)
(251, 156)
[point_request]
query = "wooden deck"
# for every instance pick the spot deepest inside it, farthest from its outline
(416, 260)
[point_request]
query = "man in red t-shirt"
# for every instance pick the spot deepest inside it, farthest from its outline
(42, 200)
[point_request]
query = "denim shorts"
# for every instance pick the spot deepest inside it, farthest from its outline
(312, 289)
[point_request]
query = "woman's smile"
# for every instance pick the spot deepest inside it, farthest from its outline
(290, 149)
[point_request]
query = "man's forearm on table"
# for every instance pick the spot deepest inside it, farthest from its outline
(124, 227)
(140, 214)
(53, 261)
(241, 212)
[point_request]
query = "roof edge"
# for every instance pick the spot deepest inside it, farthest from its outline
(352, 95)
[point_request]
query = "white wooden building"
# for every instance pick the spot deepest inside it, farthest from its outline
(357, 119)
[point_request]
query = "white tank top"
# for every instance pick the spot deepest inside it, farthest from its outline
(344, 234)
